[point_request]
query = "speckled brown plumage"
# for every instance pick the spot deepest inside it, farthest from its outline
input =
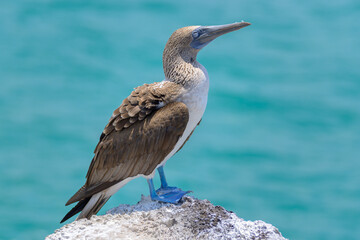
(141, 102)
(137, 138)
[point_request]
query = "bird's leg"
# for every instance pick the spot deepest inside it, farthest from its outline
(164, 184)
(153, 193)
(155, 196)
(165, 193)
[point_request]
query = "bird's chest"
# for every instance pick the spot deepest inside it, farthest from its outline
(196, 95)
(196, 100)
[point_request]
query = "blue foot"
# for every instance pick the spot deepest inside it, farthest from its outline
(165, 190)
(169, 194)
(166, 194)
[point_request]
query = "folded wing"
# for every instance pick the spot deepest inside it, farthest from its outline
(140, 134)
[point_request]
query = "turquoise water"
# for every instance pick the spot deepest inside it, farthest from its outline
(279, 140)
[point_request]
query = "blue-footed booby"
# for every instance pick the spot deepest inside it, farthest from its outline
(151, 124)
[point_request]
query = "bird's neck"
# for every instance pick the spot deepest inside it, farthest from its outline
(180, 65)
(186, 71)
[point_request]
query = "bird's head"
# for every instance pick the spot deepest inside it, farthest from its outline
(188, 41)
(185, 43)
(203, 35)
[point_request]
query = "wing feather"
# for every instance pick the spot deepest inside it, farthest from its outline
(137, 138)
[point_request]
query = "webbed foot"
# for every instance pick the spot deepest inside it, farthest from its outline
(170, 194)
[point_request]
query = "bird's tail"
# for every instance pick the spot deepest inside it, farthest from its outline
(88, 206)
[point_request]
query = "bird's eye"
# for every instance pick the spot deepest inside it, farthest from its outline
(195, 34)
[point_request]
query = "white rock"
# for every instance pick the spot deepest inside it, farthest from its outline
(192, 219)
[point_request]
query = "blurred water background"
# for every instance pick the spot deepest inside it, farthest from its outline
(279, 140)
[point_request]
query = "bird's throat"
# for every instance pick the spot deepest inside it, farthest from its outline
(186, 73)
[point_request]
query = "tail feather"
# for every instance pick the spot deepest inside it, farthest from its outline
(93, 206)
(88, 207)
(78, 208)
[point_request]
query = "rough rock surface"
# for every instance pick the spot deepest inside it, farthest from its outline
(192, 219)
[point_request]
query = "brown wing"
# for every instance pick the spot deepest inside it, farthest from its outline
(127, 150)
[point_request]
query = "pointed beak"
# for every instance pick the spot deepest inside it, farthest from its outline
(204, 35)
